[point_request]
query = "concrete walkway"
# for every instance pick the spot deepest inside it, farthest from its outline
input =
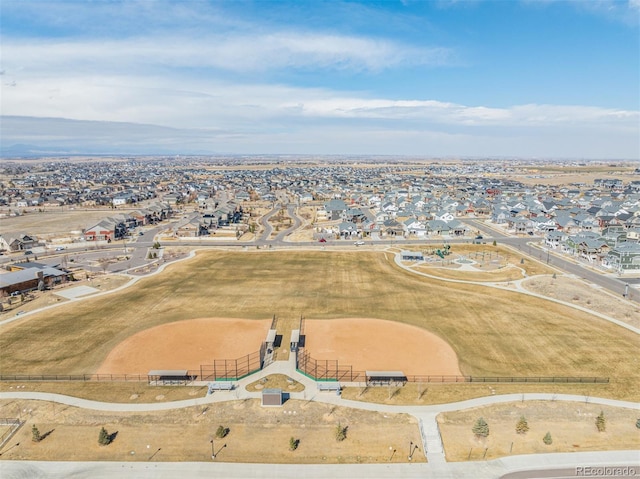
(426, 415)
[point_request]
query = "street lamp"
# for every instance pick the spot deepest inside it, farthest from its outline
(213, 454)
(393, 451)
(412, 451)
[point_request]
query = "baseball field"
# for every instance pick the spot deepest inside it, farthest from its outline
(490, 332)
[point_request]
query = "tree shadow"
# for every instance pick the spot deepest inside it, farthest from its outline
(112, 436)
(46, 434)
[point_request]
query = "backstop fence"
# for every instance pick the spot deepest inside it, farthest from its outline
(331, 370)
(220, 370)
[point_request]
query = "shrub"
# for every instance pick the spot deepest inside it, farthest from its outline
(601, 423)
(104, 438)
(341, 433)
(481, 428)
(222, 431)
(638, 423)
(293, 443)
(547, 439)
(35, 434)
(522, 426)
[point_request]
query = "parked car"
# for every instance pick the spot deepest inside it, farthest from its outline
(359, 243)
(28, 252)
(60, 248)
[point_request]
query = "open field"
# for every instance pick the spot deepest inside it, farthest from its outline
(492, 332)
(55, 221)
(566, 175)
(256, 434)
(572, 427)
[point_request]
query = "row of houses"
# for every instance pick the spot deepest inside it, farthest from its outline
(614, 248)
(118, 226)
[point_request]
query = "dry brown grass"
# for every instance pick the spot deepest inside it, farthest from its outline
(256, 434)
(493, 332)
(279, 381)
(572, 427)
(505, 274)
(56, 221)
(423, 394)
(581, 294)
(107, 391)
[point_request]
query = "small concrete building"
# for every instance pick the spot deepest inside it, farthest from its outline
(272, 397)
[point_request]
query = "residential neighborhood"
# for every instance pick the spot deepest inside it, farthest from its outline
(596, 222)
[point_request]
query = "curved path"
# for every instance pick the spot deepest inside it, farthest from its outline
(519, 289)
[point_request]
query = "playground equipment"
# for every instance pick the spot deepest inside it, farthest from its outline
(444, 251)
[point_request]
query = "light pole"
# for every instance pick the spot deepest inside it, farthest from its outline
(213, 454)
(393, 451)
(412, 450)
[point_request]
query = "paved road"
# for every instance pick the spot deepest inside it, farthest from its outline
(167, 470)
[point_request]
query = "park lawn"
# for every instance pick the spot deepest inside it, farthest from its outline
(256, 434)
(571, 425)
(493, 332)
(487, 276)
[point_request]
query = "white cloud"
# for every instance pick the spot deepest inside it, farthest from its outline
(238, 53)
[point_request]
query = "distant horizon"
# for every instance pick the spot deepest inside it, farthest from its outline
(441, 78)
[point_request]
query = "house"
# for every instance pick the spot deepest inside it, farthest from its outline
(28, 279)
(335, 209)
(623, 257)
(17, 242)
(414, 227)
(107, 229)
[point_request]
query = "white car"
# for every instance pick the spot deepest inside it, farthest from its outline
(359, 243)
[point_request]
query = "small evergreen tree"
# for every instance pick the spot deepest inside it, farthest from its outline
(638, 423)
(522, 426)
(547, 439)
(341, 433)
(601, 423)
(481, 428)
(104, 438)
(35, 434)
(222, 431)
(293, 443)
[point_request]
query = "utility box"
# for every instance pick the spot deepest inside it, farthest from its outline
(272, 397)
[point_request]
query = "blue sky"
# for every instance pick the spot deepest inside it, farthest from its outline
(534, 79)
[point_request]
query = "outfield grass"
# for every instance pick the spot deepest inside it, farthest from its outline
(493, 332)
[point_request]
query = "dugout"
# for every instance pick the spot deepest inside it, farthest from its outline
(295, 340)
(271, 340)
(385, 378)
(164, 377)
(272, 397)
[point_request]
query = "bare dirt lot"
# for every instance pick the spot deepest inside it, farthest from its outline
(185, 345)
(375, 344)
(571, 425)
(256, 434)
